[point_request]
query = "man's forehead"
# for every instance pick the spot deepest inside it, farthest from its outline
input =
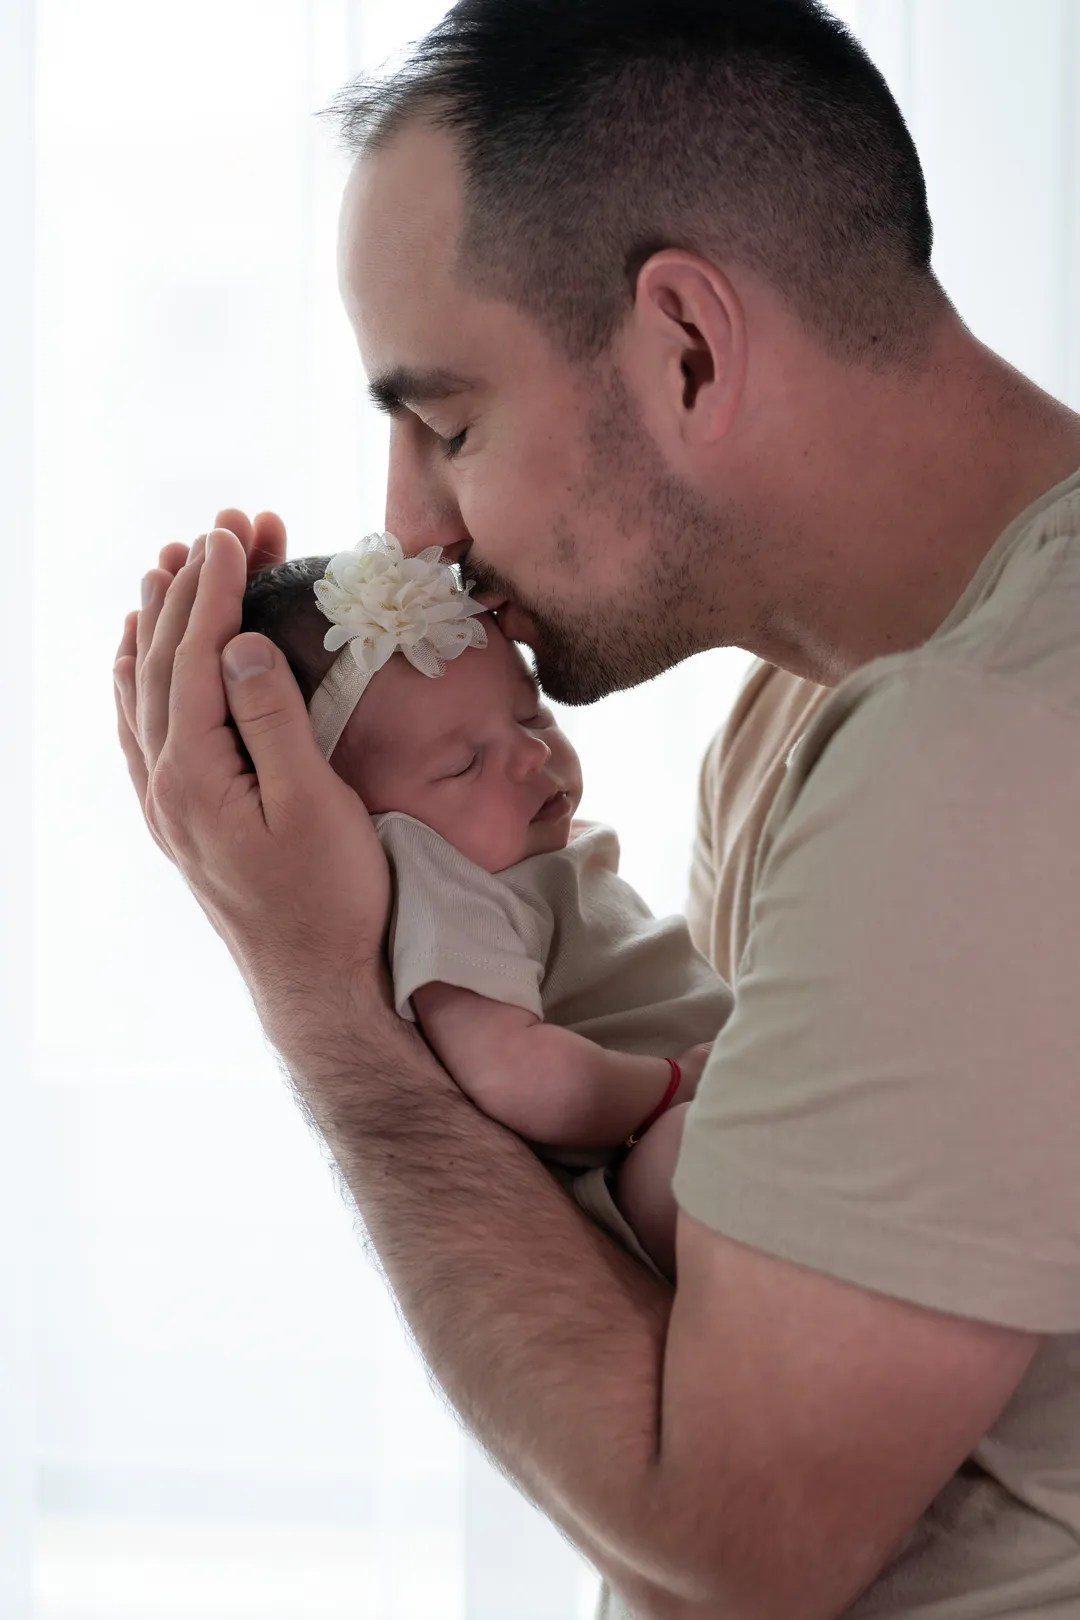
(413, 317)
(400, 221)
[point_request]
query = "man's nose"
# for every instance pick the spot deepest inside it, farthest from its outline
(531, 755)
(420, 509)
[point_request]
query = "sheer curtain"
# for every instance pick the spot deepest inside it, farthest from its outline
(229, 1420)
(16, 495)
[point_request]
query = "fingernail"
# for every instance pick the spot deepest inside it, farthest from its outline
(147, 590)
(197, 550)
(241, 660)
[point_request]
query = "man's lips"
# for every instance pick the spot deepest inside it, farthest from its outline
(497, 603)
(514, 624)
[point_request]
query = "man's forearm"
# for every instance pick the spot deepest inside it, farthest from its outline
(547, 1338)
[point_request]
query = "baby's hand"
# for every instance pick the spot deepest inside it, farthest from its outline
(692, 1063)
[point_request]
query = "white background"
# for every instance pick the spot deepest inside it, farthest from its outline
(216, 1413)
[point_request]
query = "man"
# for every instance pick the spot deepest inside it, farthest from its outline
(645, 287)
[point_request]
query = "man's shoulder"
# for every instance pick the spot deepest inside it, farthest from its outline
(1020, 625)
(1006, 668)
(940, 738)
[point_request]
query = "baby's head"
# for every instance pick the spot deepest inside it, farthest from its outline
(473, 752)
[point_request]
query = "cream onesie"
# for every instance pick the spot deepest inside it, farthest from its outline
(564, 936)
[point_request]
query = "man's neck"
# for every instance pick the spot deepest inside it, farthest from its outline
(908, 489)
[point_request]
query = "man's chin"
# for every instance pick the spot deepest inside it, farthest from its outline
(565, 673)
(573, 683)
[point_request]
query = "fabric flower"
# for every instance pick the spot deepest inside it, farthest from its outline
(381, 602)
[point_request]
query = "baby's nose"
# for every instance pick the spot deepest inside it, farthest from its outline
(533, 754)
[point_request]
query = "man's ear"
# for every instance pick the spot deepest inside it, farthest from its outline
(690, 334)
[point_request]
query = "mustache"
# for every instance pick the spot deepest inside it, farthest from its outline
(484, 580)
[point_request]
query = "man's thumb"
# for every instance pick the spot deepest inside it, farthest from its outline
(247, 656)
(269, 712)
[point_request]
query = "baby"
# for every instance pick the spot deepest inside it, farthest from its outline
(555, 999)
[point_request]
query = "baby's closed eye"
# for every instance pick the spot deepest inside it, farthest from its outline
(451, 776)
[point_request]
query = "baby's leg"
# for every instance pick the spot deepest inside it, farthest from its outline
(643, 1188)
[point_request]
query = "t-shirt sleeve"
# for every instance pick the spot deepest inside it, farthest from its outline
(895, 1100)
(706, 889)
(701, 891)
(454, 923)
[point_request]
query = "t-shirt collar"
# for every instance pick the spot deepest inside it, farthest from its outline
(989, 571)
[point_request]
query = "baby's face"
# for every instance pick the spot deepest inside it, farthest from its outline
(473, 754)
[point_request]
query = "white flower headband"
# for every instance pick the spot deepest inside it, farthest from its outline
(380, 602)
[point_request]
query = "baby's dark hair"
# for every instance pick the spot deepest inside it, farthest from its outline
(279, 603)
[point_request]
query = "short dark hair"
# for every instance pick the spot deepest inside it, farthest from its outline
(280, 603)
(593, 133)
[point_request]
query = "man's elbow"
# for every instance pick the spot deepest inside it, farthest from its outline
(655, 1604)
(690, 1584)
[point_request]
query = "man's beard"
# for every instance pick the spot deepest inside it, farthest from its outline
(585, 658)
(582, 658)
(661, 616)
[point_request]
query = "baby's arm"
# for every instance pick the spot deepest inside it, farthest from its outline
(545, 1082)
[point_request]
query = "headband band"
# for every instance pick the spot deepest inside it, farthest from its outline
(331, 706)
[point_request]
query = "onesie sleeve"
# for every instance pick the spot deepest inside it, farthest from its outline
(454, 923)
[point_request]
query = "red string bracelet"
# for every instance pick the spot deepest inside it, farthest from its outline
(665, 1102)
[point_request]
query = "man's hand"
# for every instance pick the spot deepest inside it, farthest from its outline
(284, 862)
(264, 544)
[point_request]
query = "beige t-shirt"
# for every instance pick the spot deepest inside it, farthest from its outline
(560, 934)
(895, 1100)
(741, 775)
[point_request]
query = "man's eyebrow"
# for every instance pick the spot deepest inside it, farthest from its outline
(402, 388)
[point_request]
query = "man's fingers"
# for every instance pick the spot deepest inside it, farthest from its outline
(124, 671)
(162, 624)
(209, 603)
(173, 556)
(271, 718)
(269, 543)
(238, 523)
(128, 643)
(155, 588)
(129, 742)
(263, 539)
(123, 685)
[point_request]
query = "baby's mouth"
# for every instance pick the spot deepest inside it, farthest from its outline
(553, 807)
